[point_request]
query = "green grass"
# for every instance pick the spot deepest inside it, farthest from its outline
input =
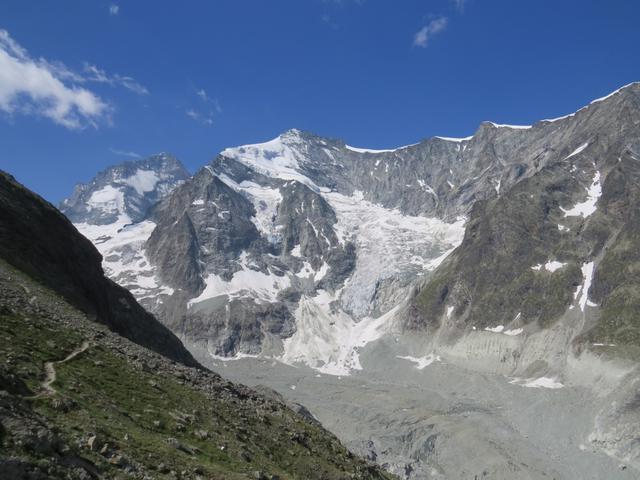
(135, 412)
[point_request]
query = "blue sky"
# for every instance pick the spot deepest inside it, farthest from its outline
(88, 83)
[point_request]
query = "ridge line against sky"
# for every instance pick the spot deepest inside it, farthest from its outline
(112, 81)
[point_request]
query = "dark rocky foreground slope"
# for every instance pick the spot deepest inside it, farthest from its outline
(79, 401)
(37, 239)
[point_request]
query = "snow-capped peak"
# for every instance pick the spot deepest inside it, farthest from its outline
(124, 192)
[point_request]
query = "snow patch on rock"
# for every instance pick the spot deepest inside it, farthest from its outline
(279, 158)
(246, 282)
(265, 202)
(514, 127)
(583, 290)
(586, 208)
(143, 181)
(108, 199)
(542, 382)
(454, 139)
(124, 260)
(514, 332)
(577, 150)
(421, 362)
(369, 150)
(497, 329)
(550, 266)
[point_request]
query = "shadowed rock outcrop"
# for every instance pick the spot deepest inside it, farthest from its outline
(37, 239)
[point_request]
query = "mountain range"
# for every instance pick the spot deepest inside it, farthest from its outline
(306, 248)
(93, 386)
(509, 255)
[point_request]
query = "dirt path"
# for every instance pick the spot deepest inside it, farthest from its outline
(50, 371)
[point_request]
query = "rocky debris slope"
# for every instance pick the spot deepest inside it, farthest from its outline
(39, 240)
(435, 420)
(118, 410)
(562, 306)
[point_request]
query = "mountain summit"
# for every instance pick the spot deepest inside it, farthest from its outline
(125, 192)
(508, 252)
(303, 223)
(111, 210)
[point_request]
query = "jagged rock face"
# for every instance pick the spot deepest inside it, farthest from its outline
(112, 212)
(124, 193)
(552, 244)
(299, 184)
(203, 220)
(296, 244)
(37, 239)
(243, 258)
(513, 252)
(272, 233)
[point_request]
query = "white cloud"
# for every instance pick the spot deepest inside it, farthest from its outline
(206, 119)
(204, 113)
(330, 16)
(37, 87)
(124, 153)
(202, 94)
(328, 20)
(459, 5)
(435, 26)
(114, 9)
(217, 106)
(95, 74)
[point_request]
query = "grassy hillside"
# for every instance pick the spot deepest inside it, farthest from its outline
(117, 410)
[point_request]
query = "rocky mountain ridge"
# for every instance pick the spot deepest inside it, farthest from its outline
(124, 193)
(548, 242)
(93, 386)
(506, 256)
(246, 255)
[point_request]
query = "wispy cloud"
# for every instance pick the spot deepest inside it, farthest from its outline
(199, 117)
(38, 87)
(213, 102)
(124, 153)
(202, 94)
(114, 9)
(95, 74)
(331, 15)
(328, 20)
(216, 106)
(421, 37)
(459, 5)
(207, 109)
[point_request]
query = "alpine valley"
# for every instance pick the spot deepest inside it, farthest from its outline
(459, 308)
